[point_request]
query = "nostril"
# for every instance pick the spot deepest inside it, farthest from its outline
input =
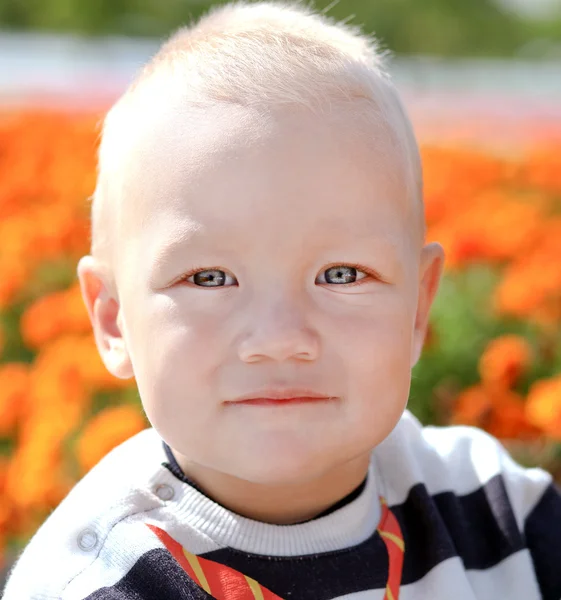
(298, 344)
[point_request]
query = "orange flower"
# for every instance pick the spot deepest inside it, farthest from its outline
(4, 502)
(13, 278)
(472, 406)
(107, 430)
(47, 169)
(452, 176)
(495, 409)
(60, 396)
(542, 169)
(52, 315)
(5, 507)
(41, 322)
(14, 395)
(36, 477)
(531, 285)
(34, 472)
(493, 227)
(504, 360)
(56, 375)
(543, 406)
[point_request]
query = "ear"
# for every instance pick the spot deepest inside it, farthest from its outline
(105, 315)
(430, 273)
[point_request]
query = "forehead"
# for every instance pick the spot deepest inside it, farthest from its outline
(228, 169)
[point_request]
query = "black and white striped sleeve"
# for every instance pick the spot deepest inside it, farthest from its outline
(542, 532)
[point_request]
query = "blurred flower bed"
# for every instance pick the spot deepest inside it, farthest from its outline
(492, 357)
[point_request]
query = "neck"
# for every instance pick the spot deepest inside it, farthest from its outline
(285, 503)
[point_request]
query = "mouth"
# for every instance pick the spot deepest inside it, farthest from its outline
(282, 398)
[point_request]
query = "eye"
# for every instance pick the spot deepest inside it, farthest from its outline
(211, 278)
(341, 274)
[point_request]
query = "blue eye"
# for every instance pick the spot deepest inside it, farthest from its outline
(340, 275)
(211, 278)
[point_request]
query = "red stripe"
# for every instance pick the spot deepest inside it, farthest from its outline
(395, 556)
(175, 549)
(225, 583)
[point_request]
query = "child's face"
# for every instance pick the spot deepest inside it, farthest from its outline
(282, 210)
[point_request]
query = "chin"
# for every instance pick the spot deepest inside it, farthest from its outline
(279, 464)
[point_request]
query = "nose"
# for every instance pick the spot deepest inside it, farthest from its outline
(278, 333)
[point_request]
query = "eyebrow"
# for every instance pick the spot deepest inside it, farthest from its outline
(185, 235)
(381, 239)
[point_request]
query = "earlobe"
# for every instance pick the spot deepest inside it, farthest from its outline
(431, 268)
(105, 317)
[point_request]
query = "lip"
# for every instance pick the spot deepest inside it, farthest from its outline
(280, 397)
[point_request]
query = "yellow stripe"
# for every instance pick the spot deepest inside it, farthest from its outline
(255, 588)
(389, 594)
(199, 573)
(396, 540)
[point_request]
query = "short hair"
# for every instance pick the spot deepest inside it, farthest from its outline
(260, 54)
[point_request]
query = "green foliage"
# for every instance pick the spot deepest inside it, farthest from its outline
(14, 349)
(439, 27)
(463, 323)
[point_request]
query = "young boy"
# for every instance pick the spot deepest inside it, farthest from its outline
(259, 266)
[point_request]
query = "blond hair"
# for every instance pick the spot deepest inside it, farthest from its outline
(259, 54)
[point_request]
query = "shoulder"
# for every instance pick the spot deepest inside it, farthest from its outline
(458, 494)
(460, 460)
(119, 485)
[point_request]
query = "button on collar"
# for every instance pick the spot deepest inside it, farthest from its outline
(164, 492)
(87, 540)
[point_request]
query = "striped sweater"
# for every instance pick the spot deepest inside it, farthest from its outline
(445, 513)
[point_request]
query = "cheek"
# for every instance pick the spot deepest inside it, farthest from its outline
(375, 334)
(170, 334)
(175, 357)
(375, 346)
